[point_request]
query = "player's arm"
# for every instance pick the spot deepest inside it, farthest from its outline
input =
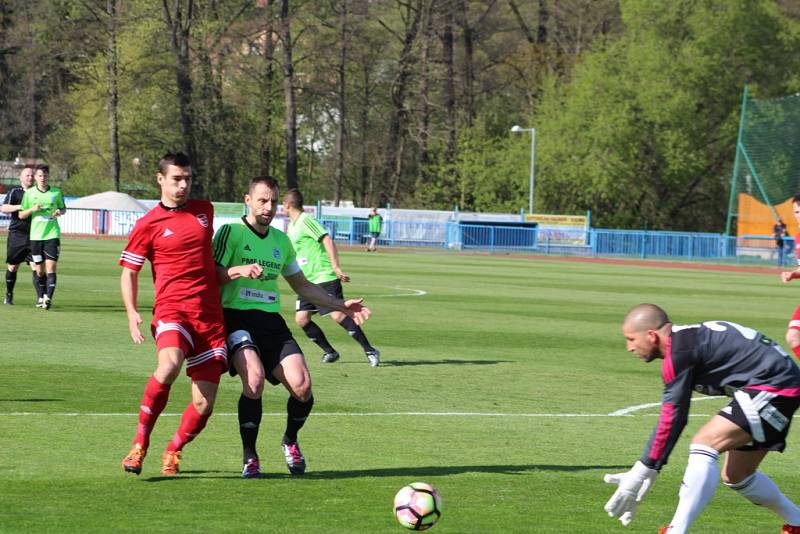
(788, 276)
(228, 274)
(333, 255)
(671, 421)
(62, 207)
(8, 205)
(633, 485)
(129, 285)
(26, 209)
(352, 307)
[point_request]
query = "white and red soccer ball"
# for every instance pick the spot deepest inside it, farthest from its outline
(417, 506)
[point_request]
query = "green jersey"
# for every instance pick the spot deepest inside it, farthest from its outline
(306, 234)
(238, 243)
(43, 225)
(374, 223)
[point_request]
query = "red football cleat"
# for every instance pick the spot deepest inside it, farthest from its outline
(133, 462)
(171, 463)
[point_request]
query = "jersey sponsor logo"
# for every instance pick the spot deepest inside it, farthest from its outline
(167, 232)
(202, 219)
(263, 263)
(257, 295)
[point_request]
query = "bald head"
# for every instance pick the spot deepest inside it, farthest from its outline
(645, 317)
(646, 330)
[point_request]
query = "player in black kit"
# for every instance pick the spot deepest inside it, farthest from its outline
(18, 244)
(714, 358)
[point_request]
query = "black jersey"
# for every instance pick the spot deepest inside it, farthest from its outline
(715, 358)
(14, 197)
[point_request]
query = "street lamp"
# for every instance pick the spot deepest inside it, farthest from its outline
(518, 129)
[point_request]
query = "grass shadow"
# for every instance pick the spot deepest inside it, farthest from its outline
(412, 472)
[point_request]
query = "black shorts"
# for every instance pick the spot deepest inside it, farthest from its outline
(332, 288)
(264, 331)
(376, 235)
(766, 417)
(18, 248)
(45, 250)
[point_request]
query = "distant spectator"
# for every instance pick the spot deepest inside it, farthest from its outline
(375, 223)
(779, 233)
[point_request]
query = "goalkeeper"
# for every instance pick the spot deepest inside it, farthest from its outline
(714, 358)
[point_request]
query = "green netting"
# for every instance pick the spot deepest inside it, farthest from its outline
(767, 165)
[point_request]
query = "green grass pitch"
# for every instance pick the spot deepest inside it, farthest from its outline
(497, 379)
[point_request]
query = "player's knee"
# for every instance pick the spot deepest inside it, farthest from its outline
(253, 385)
(204, 406)
(731, 476)
(167, 372)
(301, 388)
(303, 394)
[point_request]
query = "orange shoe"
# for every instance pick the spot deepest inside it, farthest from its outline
(133, 462)
(171, 463)
(789, 529)
(663, 530)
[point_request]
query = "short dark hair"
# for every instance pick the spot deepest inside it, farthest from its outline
(44, 168)
(30, 165)
(177, 159)
(265, 179)
(295, 198)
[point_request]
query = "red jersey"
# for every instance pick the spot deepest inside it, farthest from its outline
(177, 242)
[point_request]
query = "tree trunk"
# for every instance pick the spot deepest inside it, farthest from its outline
(112, 71)
(399, 116)
(33, 108)
(449, 83)
(269, 88)
(425, 111)
(340, 90)
(180, 29)
(541, 25)
(367, 184)
(469, 65)
(288, 92)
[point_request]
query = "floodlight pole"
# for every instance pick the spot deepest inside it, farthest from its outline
(517, 129)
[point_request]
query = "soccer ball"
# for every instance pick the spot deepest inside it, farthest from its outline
(417, 506)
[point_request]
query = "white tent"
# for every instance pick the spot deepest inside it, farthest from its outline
(110, 200)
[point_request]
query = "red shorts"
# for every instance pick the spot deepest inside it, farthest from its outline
(200, 337)
(794, 322)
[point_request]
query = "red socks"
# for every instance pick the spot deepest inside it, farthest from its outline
(191, 425)
(796, 351)
(153, 402)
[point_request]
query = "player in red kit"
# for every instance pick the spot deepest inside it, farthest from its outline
(793, 332)
(188, 325)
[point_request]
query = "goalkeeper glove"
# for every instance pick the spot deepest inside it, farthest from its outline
(632, 486)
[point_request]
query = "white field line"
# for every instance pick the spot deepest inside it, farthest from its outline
(413, 292)
(630, 409)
